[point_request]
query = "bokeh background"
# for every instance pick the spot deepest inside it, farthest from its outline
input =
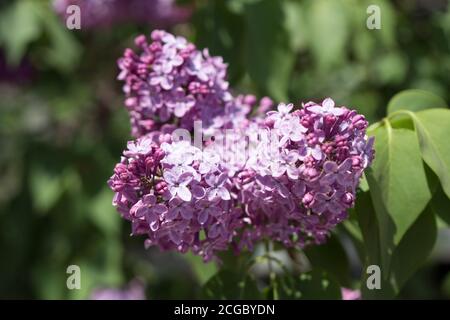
(63, 125)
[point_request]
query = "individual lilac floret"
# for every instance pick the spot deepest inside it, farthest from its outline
(302, 176)
(170, 81)
(166, 196)
(105, 13)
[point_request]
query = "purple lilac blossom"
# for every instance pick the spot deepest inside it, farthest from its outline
(244, 187)
(289, 176)
(105, 13)
(162, 191)
(292, 187)
(170, 81)
(297, 186)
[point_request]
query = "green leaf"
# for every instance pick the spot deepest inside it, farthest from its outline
(329, 29)
(331, 257)
(203, 271)
(296, 24)
(269, 56)
(374, 249)
(363, 43)
(219, 28)
(390, 68)
(368, 223)
(103, 214)
(20, 24)
(313, 285)
(446, 284)
(414, 249)
(432, 127)
(352, 228)
(230, 284)
(440, 204)
(363, 185)
(404, 259)
(387, 33)
(398, 182)
(415, 100)
(64, 51)
(46, 187)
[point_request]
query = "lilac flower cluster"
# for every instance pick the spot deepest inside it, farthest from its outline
(289, 176)
(302, 177)
(105, 13)
(170, 81)
(178, 195)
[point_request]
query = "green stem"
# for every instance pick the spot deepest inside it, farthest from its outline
(385, 121)
(272, 274)
(401, 112)
(388, 127)
(269, 260)
(374, 126)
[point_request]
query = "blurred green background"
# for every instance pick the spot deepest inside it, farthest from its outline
(63, 125)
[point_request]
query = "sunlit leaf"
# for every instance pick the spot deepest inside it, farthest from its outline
(46, 188)
(414, 249)
(203, 271)
(329, 29)
(398, 182)
(432, 127)
(415, 100)
(20, 24)
(103, 214)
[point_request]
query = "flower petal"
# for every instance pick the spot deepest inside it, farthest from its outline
(175, 237)
(223, 193)
(184, 193)
(203, 217)
(186, 212)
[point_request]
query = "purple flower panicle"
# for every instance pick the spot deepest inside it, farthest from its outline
(176, 201)
(301, 180)
(289, 175)
(171, 81)
(293, 187)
